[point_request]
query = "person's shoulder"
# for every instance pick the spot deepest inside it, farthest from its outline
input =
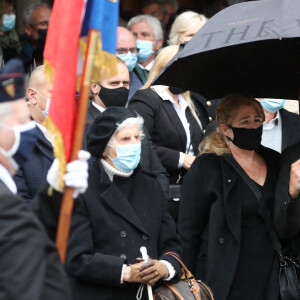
(292, 151)
(208, 161)
(288, 114)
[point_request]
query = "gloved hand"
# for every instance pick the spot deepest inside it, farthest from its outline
(153, 270)
(76, 175)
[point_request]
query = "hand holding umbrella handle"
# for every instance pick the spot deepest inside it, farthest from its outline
(145, 257)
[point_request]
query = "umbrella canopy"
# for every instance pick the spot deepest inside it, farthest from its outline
(251, 47)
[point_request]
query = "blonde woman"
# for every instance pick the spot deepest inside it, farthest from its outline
(185, 27)
(171, 122)
(221, 223)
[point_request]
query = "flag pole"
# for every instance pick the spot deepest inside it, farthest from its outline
(66, 209)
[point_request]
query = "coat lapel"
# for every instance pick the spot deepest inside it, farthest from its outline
(232, 204)
(112, 196)
(44, 145)
(175, 120)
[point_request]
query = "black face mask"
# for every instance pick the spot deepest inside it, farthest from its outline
(42, 37)
(176, 91)
(114, 97)
(248, 139)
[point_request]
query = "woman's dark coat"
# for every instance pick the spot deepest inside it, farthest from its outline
(108, 230)
(165, 128)
(210, 221)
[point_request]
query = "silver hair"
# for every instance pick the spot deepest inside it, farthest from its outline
(184, 22)
(153, 22)
(27, 14)
(130, 122)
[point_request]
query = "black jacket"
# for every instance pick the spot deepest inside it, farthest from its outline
(30, 266)
(290, 128)
(32, 175)
(109, 228)
(149, 160)
(210, 220)
(287, 211)
(165, 128)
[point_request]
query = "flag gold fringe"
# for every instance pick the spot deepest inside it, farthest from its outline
(105, 64)
(48, 71)
(58, 149)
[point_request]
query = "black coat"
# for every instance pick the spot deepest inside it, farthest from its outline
(287, 211)
(30, 266)
(108, 230)
(149, 160)
(206, 109)
(32, 175)
(210, 221)
(165, 128)
(290, 128)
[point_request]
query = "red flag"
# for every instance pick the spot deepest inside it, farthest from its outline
(60, 59)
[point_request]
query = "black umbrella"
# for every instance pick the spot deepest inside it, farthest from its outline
(251, 47)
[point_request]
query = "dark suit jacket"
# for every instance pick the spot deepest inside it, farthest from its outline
(290, 128)
(165, 128)
(134, 85)
(210, 221)
(30, 266)
(32, 175)
(149, 160)
(287, 210)
(110, 224)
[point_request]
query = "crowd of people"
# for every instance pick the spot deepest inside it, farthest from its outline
(161, 167)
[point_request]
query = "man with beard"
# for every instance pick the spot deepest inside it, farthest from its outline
(36, 18)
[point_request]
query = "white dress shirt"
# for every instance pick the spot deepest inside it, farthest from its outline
(7, 179)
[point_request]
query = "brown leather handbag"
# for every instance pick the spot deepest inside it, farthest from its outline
(188, 288)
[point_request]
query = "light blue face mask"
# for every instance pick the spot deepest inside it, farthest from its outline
(8, 22)
(145, 50)
(130, 59)
(272, 105)
(128, 156)
(44, 112)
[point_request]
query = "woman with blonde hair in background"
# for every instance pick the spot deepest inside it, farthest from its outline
(172, 123)
(185, 27)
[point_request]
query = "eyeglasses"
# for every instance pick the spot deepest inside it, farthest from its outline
(42, 24)
(126, 50)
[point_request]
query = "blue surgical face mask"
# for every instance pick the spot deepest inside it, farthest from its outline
(130, 59)
(44, 112)
(8, 22)
(272, 105)
(145, 50)
(25, 140)
(128, 156)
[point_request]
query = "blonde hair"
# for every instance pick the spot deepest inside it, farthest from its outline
(186, 21)
(225, 113)
(161, 60)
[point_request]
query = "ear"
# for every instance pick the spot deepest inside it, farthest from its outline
(31, 94)
(95, 88)
(158, 45)
(226, 130)
(27, 29)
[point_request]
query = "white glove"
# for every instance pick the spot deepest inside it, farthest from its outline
(76, 175)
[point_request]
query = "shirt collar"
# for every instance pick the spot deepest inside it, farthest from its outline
(163, 93)
(274, 122)
(148, 67)
(100, 108)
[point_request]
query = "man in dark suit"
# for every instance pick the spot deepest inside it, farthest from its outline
(30, 266)
(32, 174)
(280, 129)
(113, 91)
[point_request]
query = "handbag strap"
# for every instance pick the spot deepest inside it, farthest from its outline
(244, 175)
(275, 240)
(185, 269)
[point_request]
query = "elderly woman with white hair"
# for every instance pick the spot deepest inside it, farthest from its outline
(122, 210)
(185, 27)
